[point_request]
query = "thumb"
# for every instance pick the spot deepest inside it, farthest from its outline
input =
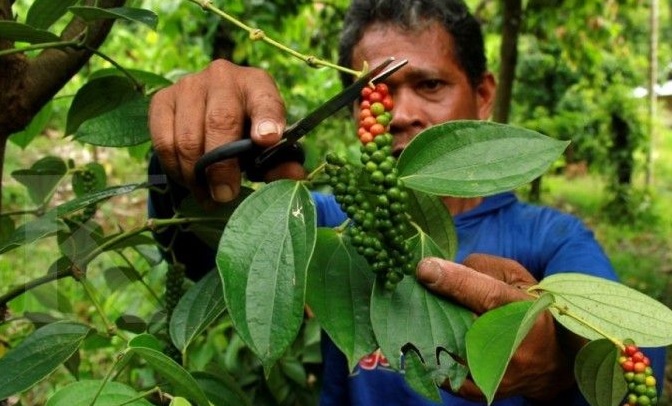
(475, 290)
(506, 270)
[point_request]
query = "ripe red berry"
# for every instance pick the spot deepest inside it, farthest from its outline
(366, 137)
(630, 350)
(377, 129)
(388, 103)
(382, 89)
(363, 113)
(375, 97)
(367, 122)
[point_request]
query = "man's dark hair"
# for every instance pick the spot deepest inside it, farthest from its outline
(453, 15)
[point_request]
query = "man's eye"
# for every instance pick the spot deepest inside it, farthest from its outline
(431, 84)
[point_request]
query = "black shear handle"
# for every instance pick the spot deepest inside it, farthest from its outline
(247, 152)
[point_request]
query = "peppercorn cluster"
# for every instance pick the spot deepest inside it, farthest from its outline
(639, 377)
(372, 196)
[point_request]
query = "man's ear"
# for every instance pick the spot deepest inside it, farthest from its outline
(485, 96)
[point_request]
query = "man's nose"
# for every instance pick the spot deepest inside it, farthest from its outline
(407, 117)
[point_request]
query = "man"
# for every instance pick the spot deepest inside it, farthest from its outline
(445, 79)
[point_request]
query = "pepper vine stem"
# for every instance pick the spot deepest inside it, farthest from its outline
(43, 45)
(257, 34)
(564, 311)
(76, 269)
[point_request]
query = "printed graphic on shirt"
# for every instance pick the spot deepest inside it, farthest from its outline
(375, 360)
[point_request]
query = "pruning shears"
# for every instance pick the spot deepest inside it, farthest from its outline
(255, 160)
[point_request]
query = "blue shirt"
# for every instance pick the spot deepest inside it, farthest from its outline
(544, 240)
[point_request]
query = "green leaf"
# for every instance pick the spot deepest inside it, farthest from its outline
(494, 338)
(211, 231)
(429, 212)
(43, 13)
(221, 389)
(412, 314)
(99, 96)
(39, 355)
(475, 158)
(34, 128)
(131, 241)
(598, 374)
(17, 32)
(612, 307)
(179, 377)
(339, 293)
(93, 198)
(42, 227)
(131, 322)
(149, 79)
(78, 244)
(179, 401)
(42, 178)
(51, 297)
(83, 392)
(124, 126)
(263, 258)
(118, 277)
(49, 224)
(200, 306)
(146, 341)
(420, 377)
(139, 15)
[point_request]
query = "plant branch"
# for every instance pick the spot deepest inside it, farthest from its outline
(116, 64)
(257, 34)
(137, 275)
(76, 270)
(43, 45)
(107, 378)
(32, 284)
(140, 396)
(90, 291)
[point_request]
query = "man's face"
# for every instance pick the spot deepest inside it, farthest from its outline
(431, 88)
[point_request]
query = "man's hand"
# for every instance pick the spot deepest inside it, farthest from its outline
(539, 370)
(208, 109)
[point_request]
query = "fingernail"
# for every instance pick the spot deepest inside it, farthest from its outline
(429, 271)
(221, 193)
(266, 128)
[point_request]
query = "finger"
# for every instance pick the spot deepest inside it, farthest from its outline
(264, 106)
(189, 116)
(161, 112)
(259, 101)
(224, 123)
(507, 270)
(286, 170)
(475, 290)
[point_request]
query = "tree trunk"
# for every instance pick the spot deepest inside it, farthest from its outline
(653, 97)
(508, 52)
(622, 150)
(26, 85)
